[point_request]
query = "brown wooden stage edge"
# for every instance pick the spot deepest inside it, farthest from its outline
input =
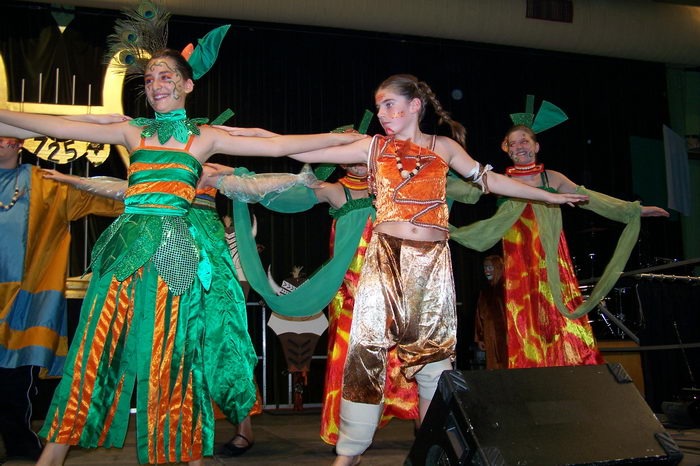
(540, 417)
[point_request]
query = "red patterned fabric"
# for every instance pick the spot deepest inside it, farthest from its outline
(538, 335)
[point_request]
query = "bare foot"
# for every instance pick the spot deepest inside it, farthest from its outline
(347, 460)
(53, 454)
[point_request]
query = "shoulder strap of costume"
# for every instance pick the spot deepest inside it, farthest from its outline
(432, 143)
(372, 163)
(189, 142)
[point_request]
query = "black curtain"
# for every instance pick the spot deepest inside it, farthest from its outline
(294, 79)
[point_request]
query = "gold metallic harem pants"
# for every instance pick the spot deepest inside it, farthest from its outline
(405, 297)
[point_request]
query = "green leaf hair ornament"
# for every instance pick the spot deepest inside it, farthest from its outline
(203, 57)
(548, 116)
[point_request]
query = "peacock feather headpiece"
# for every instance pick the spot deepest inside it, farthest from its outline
(141, 33)
(144, 31)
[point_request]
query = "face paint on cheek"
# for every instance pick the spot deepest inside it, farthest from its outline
(177, 87)
(396, 115)
(9, 143)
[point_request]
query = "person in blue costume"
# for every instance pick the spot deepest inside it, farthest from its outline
(35, 216)
(142, 324)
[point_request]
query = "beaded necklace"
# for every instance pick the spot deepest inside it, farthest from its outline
(525, 170)
(405, 174)
(15, 196)
(356, 183)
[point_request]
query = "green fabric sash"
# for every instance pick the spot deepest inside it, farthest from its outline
(484, 234)
(315, 294)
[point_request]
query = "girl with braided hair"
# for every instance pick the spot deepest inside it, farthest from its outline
(406, 296)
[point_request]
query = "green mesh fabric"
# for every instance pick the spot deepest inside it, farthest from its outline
(177, 257)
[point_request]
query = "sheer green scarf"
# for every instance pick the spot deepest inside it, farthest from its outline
(315, 294)
(486, 233)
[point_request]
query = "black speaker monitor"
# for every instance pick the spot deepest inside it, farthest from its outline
(539, 417)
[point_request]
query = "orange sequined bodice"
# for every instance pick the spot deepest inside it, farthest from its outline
(419, 199)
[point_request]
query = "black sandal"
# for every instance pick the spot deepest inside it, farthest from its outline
(231, 449)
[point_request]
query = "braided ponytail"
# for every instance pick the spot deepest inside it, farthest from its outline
(408, 86)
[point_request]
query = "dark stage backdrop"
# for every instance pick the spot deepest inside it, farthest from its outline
(300, 80)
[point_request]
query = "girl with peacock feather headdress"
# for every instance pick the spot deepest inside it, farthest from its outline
(143, 322)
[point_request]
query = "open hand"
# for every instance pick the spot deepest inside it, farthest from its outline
(653, 211)
(567, 198)
(56, 175)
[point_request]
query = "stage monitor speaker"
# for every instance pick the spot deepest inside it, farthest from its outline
(540, 417)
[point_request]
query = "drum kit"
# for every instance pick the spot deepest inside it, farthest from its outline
(619, 316)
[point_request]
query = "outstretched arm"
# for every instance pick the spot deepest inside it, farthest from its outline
(252, 188)
(653, 211)
(19, 133)
(349, 153)
(505, 186)
(104, 186)
(276, 146)
(561, 183)
(499, 184)
(59, 127)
